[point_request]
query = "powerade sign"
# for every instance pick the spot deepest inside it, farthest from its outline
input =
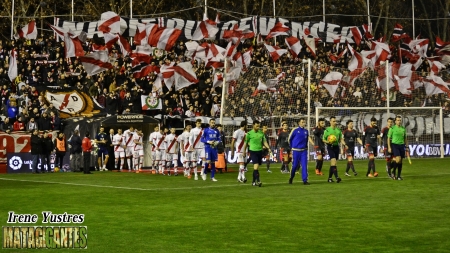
(22, 163)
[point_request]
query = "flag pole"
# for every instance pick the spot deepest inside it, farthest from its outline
(387, 87)
(224, 87)
(309, 100)
(12, 20)
(131, 8)
(274, 38)
(206, 8)
(72, 11)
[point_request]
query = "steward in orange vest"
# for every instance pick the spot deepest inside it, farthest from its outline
(60, 150)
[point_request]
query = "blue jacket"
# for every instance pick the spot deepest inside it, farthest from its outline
(298, 139)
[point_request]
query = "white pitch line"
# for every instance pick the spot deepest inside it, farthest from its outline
(200, 187)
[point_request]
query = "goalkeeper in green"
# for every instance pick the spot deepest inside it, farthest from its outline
(333, 148)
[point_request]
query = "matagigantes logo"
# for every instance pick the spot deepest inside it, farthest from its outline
(44, 237)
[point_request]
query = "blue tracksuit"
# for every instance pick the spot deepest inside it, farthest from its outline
(210, 134)
(298, 141)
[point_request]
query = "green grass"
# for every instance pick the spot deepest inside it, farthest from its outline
(127, 212)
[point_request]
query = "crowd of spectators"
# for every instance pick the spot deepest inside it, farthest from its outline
(41, 64)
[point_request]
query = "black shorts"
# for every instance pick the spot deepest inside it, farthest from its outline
(371, 149)
(398, 150)
(387, 155)
(333, 151)
(350, 151)
(256, 157)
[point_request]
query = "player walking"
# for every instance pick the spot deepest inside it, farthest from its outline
(186, 151)
(333, 148)
(159, 151)
(371, 138)
(128, 139)
(266, 154)
(152, 141)
(285, 150)
(210, 137)
(198, 147)
(319, 145)
(138, 150)
(387, 155)
(119, 149)
(236, 145)
(298, 141)
(172, 143)
(397, 144)
(101, 140)
(349, 137)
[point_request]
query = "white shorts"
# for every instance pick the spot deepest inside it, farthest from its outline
(160, 155)
(153, 155)
(119, 154)
(129, 151)
(187, 156)
(138, 153)
(171, 157)
(198, 154)
(240, 158)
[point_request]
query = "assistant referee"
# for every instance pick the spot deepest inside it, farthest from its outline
(397, 144)
(255, 139)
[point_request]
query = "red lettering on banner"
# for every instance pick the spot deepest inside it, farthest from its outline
(13, 143)
(24, 141)
(7, 145)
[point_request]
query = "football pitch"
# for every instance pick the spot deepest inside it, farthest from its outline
(127, 212)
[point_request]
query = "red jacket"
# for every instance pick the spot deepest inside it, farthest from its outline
(18, 125)
(86, 145)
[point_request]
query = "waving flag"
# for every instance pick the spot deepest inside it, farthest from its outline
(164, 38)
(311, 44)
(398, 33)
(12, 71)
(278, 29)
(434, 85)
(206, 29)
(72, 44)
(28, 32)
(275, 52)
(184, 75)
(96, 62)
(110, 22)
(294, 45)
(331, 82)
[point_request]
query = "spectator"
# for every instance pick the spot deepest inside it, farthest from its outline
(47, 149)
(6, 126)
(60, 145)
(19, 125)
(55, 121)
(75, 152)
(44, 122)
(31, 125)
(36, 151)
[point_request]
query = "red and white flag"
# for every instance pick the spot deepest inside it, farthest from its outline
(398, 33)
(111, 39)
(29, 31)
(384, 81)
(218, 79)
(440, 44)
(215, 53)
(419, 47)
(167, 74)
(357, 61)
(164, 38)
(294, 45)
(12, 70)
(72, 45)
(184, 75)
(311, 44)
(110, 22)
(140, 38)
(331, 82)
(243, 60)
(278, 29)
(382, 52)
(233, 74)
(402, 78)
(434, 85)
(96, 62)
(236, 34)
(206, 29)
(435, 64)
(275, 52)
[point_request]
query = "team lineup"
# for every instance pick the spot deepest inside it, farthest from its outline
(202, 149)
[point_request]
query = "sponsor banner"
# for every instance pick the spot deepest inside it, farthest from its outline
(22, 163)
